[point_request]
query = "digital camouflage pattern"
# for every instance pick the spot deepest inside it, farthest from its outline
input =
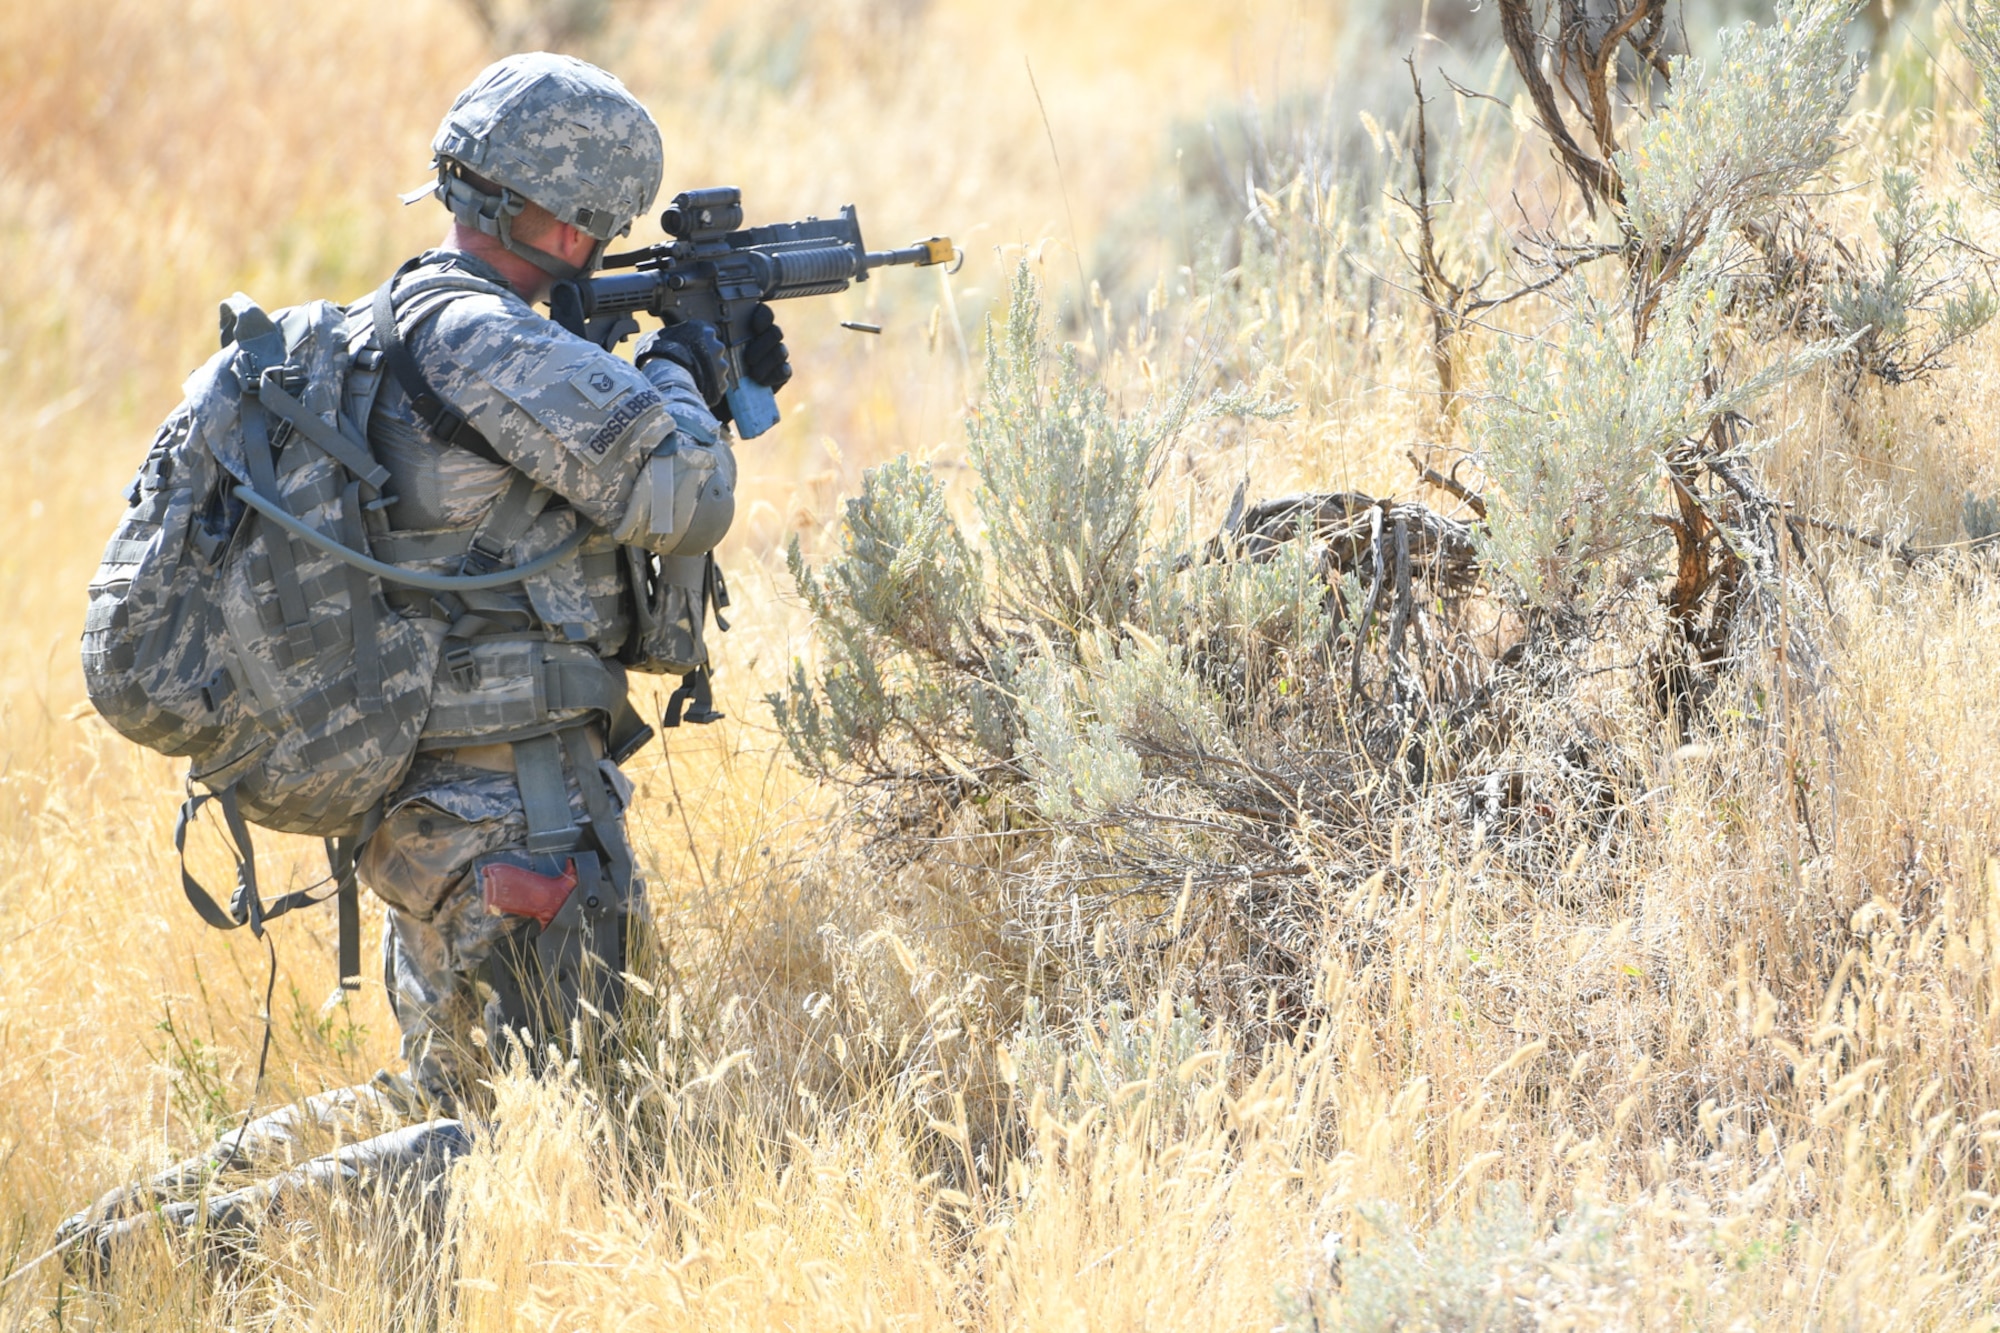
(213, 634)
(439, 932)
(574, 417)
(323, 699)
(355, 1136)
(588, 426)
(560, 132)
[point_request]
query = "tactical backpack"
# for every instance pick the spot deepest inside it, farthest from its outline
(239, 619)
(218, 632)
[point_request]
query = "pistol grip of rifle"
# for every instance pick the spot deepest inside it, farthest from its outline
(754, 407)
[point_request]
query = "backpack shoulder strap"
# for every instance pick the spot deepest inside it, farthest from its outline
(438, 416)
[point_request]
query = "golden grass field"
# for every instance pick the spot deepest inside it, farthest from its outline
(1725, 1141)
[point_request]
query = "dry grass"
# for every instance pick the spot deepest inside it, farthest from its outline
(1743, 1073)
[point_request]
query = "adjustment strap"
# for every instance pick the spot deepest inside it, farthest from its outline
(437, 416)
(244, 907)
(258, 456)
(343, 856)
(697, 696)
(538, 771)
(604, 823)
(361, 596)
(506, 523)
(627, 733)
(715, 591)
(496, 612)
(348, 908)
(332, 442)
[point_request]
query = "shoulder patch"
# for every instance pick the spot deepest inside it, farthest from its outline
(599, 385)
(620, 421)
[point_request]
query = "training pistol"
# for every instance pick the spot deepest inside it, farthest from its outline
(717, 270)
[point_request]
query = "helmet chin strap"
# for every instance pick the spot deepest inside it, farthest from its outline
(494, 215)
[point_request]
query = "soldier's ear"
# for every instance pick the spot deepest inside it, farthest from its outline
(577, 243)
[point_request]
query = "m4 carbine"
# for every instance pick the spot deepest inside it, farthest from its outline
(717, 270)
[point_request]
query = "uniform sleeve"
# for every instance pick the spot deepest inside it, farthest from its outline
(576, 418)
(683, 398)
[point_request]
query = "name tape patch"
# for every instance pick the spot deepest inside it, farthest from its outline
(621, 420)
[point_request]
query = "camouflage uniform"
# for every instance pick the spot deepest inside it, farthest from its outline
(583, 425)
(502, 855)
(514, 782)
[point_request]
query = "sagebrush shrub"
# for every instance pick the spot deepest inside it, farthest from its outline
(1012, 656)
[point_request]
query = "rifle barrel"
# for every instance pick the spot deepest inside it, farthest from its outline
(937, 250)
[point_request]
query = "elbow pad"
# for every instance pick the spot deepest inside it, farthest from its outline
(686, 496)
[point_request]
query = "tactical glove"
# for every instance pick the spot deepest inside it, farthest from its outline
(764, 356)
(694, 346)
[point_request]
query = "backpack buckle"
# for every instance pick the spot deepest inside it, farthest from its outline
(480, 558)
(462, 665)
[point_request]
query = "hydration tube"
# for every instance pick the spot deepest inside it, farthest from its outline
(410, 577)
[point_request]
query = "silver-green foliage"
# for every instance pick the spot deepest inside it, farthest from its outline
(1030, 659)
(908, 665)
(1488, 1274)
(1576, 434)
(1929, 293)
(1062, 478)
(1084, 722)
(1744, 130)
(1981, 20)
(1171, 1051)
(1577, 426)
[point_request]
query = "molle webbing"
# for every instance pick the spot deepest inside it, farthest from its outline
(257, 455)
(520, 685)
(333, 442)
(552, 827)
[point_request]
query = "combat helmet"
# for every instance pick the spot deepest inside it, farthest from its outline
(551, 130)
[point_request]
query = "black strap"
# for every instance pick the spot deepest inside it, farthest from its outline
(348, 909)
(343, 856)
(696, 696)
(438, 417)
(361, 592)
(715, 591)
(246, 908)
(597, 803)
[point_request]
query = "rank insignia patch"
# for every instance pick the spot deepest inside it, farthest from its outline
(600, 386)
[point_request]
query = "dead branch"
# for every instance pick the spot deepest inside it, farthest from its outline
(1594, 176)
(1441, 294)
(1451, 484)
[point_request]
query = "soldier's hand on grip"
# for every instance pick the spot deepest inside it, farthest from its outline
(695, 348)
(764, 356)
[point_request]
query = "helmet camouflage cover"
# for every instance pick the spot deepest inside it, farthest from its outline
(551, 130)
